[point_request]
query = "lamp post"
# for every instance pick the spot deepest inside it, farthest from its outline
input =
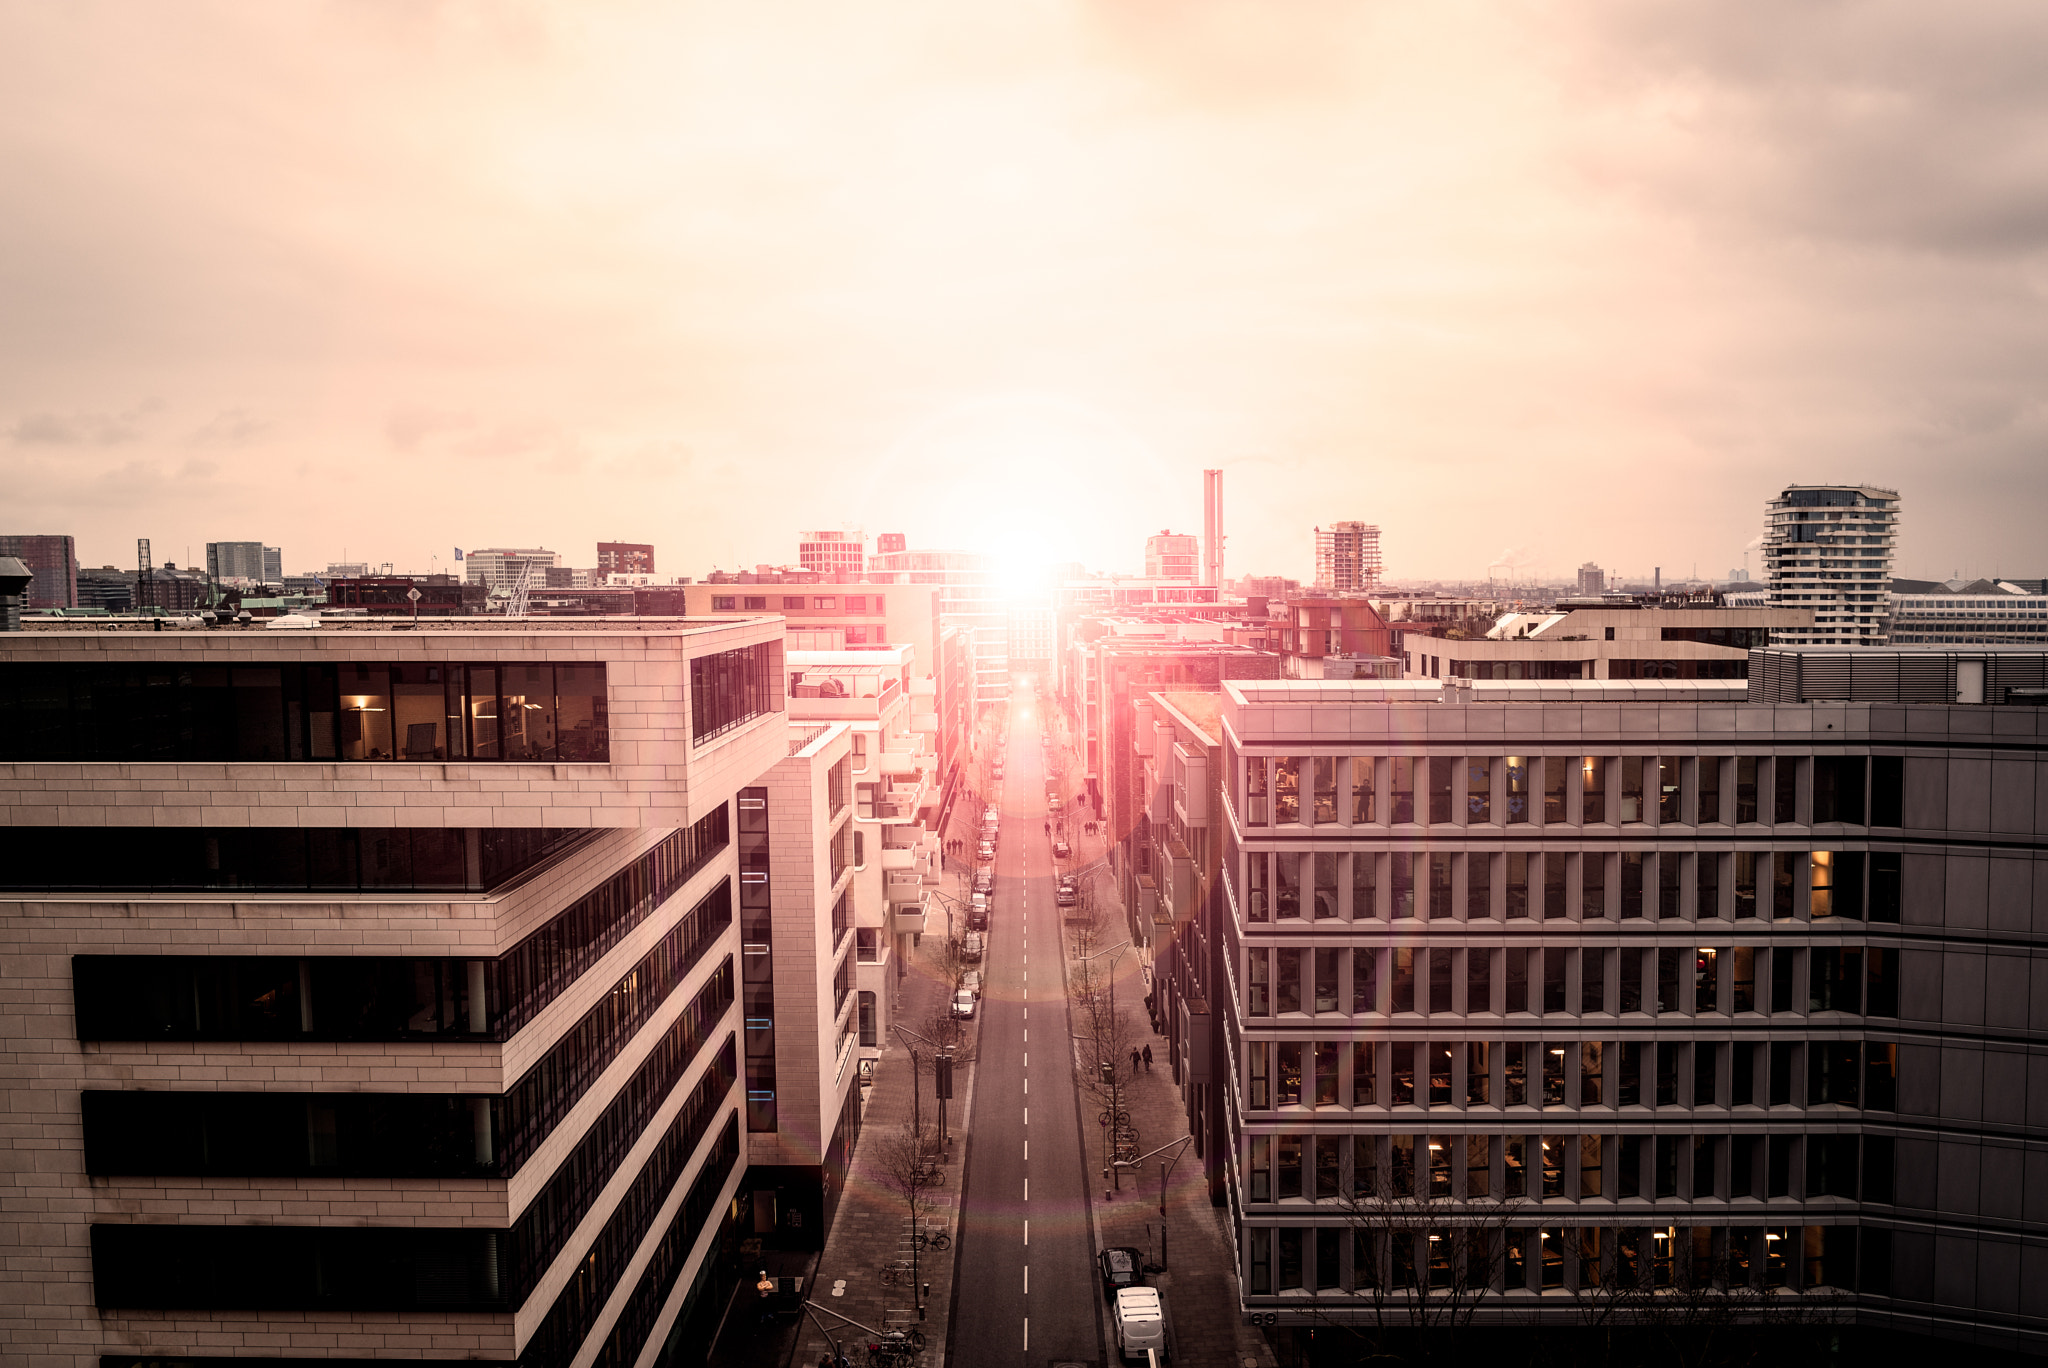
(1108, 1066)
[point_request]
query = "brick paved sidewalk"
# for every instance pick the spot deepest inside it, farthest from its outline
(869, 1228)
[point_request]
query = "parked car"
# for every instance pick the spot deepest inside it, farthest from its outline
(963, 1004)
(985, 881)
(1053, 803)
(999, 769)
(970, 947)
(1060, 849)
(987, 850)
(1068, 895)
(1120, 1268)
(971, 980)
(1140, 1322)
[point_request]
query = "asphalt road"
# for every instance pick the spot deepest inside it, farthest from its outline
(1025, 1290)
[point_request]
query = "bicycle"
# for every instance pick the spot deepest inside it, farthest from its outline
(933, 1239)
(1123, 1118)
(893, 1273)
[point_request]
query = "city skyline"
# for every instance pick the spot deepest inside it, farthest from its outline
(1015, 281)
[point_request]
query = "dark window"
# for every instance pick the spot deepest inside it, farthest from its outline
(1838, 788)
(729, 689)
(268, 1267)
(371, 997)
(1782, 1054)
(281, 712)
(1831, 1072)
(1884, 886)
(1880, 1076)
(1741, 638)
(280, 859)
(1785, 789)
(1629, 1076)
(629, 1332)
(1742, 1075)
(1887, 790)
(1882, 980)
(1878, 1151)
(756, 603)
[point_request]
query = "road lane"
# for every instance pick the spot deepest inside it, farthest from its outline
(1025, 1283)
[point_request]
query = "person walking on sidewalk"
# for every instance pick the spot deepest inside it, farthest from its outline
(1148, 1059)
(1135, 1057)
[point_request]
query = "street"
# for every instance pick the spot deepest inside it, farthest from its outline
(1026, 1282)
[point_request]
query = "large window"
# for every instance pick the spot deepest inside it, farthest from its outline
(276, 859)
(376, 997)
(729, 689)
(353, 711)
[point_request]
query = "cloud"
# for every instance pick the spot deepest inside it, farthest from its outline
(83, 429)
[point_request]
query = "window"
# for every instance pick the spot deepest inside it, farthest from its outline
(1785, 789)
(1325, 980)
(867, 944)
(1519, 783)
(1706, 979)
(1478, 979)
(1402, 768)
(1632, 809)
(1632, 882)
(1258, 981)
(1326, 884)
(1325, 788)
(1593, 771)
(1402, 883)
(729, 689)
(825, 603)
(1286, 789)
(1260, 1169)
(1440, 885)
(1363, 903)
(1593, 886)
(867, 1020)
(756, 602)
(856, 603)
(1555, 767)
(1478, 886)
(1592, 980)
(1478, 1079)
(794, 603)
(1255, 791)
(1403, 960)
(1364, 983)
(1553, 884)
(1745, 882)
(1258, 1078)
(1478, 789)
(1517, 883)
(1746, 799)
(724, 603)
(1442, 773)
(1708, 772)
(1325, 1062)
(1287, 1175)
(1361, 788)
(1289, 1072)
(1402, 1075)
(1363, 1055)
(1517, 979)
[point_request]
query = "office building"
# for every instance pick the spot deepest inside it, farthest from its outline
(1173, 556)
(1348, 558)
(1592, 580)
(624, 558)
(497, 567)
(396, 1013)
(1333, 638)
(1665, 988)
(1968, 612)
(834, 555)
(1828, 549)
(54, 560)
(245, 561)
(108, 587)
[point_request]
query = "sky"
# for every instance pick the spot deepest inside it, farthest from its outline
(1526, 284)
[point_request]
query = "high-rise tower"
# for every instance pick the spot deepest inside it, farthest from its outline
(1829, 548)
(1348, 557)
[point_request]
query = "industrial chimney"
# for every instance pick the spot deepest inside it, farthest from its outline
(1212, 528)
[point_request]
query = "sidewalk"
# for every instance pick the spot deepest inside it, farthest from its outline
(871, 1222)
(1199, 1281)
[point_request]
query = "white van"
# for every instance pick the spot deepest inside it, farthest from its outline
(1140, 1322)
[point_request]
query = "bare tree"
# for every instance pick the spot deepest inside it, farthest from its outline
(1693, 1308)
(1424, 1259)
(909, 1161)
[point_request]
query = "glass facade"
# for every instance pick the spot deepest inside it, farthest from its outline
(358, 711)
(276, 859)
(731, 688)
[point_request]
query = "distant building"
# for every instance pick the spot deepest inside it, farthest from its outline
(108, 587)
(835, 555)
(969, 599)
(885, 542)
(1266, 587)
(1173, 555)
(625, 558)
(345, 570)
(1592, 580)
(54, 559)
(245, 560)
(387, 595)
(1968, 612)
(1348, 558)
(1828, 549)
(1679, 637)
(497, 567)
(1328, 638)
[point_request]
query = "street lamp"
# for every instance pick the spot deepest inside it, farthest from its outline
(1108, 1066)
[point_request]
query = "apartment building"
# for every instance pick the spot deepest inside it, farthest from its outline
(1173, 556)
(890, 848)
(375, 993)
(834, 555)
(1828, 548)
(1348, 558)
(500, 567)
(1652, 986)
(970, 600)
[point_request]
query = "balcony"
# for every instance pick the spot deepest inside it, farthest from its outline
(908, 917)
(900, 799)
(920, 858)
(906, 753)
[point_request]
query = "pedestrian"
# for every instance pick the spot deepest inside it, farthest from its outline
(1148, 1059)
(1135, 1057)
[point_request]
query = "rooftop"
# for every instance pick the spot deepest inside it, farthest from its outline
(1201, 711)
(609, 626)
